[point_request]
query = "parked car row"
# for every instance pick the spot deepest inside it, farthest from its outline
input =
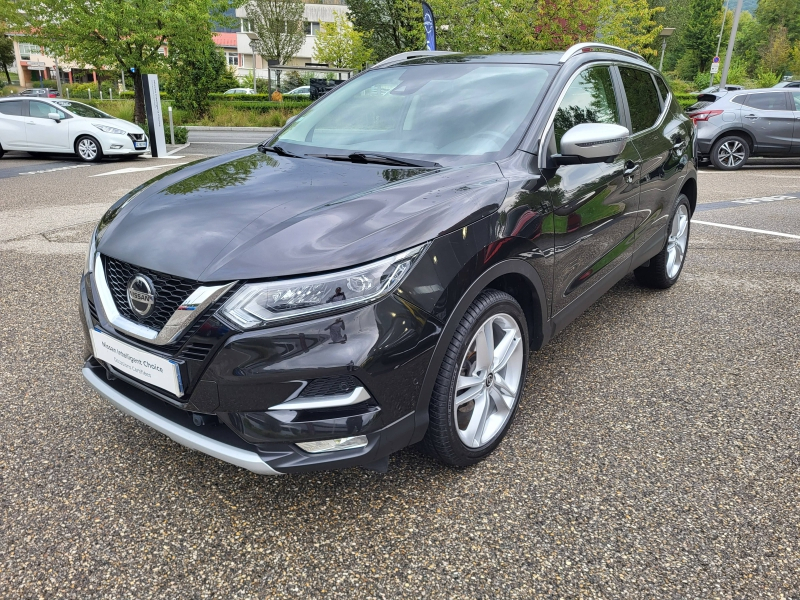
(733, 125)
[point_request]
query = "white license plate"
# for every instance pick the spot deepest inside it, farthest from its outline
(141, 365)
(140, 144)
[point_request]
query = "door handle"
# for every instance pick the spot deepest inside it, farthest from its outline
(30, 122)
(754, 117)
(630, 169)
(677, 143)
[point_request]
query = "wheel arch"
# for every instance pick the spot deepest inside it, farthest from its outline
(690, 190)
(738, 132)
(517, 278)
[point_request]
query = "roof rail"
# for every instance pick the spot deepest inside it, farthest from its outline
(409, 56)
(594, 46)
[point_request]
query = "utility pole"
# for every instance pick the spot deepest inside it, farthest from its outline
(728, 54)
(719, 39)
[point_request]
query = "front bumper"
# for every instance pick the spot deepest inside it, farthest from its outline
(183, 435)
(251, 386)
(120, 145)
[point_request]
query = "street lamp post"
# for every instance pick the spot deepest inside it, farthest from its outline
(719, 40)
(253, 39)
(665, 33)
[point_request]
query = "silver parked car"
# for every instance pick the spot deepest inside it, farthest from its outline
(732, 126)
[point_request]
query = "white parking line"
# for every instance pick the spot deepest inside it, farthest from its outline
(53, 170)
(736, 227)
(136, 169)
(752, 174)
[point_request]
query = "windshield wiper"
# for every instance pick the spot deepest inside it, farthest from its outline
(372, 157)
(277, 150)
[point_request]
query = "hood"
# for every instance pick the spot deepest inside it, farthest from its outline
(249, 215)
(126, 126)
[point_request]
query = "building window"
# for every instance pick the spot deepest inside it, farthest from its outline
(25, 50)
(311, 27)
(233, 59)
(246, 25)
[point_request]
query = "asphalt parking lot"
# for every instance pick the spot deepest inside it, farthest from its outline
(659, 456)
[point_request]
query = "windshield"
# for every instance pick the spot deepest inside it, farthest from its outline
(82, 110)
(451, 113)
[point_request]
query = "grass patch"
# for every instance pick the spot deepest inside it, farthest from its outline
(221, 115)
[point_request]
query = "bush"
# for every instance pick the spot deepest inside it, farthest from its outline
(276, 96)
(685, 100)
(765, 78)
(181, 134)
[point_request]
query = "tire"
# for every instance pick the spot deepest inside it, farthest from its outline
(83, 148)
(450, 425)
(662, 272)
(730, 153)
(2, 152)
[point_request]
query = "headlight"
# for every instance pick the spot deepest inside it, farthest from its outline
(90, 254)
(260, 304)
(109, 129)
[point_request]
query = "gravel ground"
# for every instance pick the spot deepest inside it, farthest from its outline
(655, 453)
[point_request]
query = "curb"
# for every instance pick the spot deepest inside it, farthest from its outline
(203, 128)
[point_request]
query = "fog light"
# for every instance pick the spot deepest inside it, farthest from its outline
(358, 441)
(116, 146)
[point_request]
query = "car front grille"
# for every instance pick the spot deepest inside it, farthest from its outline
(170, 291)
(136, 137)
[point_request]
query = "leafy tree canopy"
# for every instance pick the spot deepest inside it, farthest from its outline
(123, 34)
(340, 45)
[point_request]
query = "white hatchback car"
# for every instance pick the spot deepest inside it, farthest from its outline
(66, 126)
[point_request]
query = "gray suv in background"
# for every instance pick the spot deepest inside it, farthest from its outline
(732, 126)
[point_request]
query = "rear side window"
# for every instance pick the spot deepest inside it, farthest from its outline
(643, 102)
(767, 101)
(589, 99)
(13, 108)
(739, 99)
(796, 100)
(662, 87)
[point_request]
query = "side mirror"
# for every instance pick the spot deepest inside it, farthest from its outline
(591, 143)
(54, 117)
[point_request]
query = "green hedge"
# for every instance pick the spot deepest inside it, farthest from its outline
(685, 100)
(255, 97)
(292, 105)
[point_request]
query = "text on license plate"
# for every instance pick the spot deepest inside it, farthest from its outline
(140, 144)
(136, 363)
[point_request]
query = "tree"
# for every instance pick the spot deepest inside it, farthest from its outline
(121, 34)
(562, 23)
(194, 73)
(794, 61)
(340, 45)
(700, 33)
(785, 13)
(279, 27)
(629, 24)
(389, 26)
(776, 53)
(6, 54)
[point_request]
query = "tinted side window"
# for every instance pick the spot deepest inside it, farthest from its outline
(41, 110)
(739, 99)
(662, 87)
(642, 98)
(589, 99)
(767, 101)
(14, 108)
(796, 100)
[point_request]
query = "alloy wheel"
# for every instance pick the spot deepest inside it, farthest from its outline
(731, 153)
(676, 243)
(87, 148)
(488, 381)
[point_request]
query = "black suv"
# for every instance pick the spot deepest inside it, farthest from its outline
(376, 274)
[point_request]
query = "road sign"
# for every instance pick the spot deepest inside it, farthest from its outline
(716, 60)
(714, 68)
(35, 63)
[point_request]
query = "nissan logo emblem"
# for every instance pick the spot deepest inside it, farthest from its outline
(141, 296)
